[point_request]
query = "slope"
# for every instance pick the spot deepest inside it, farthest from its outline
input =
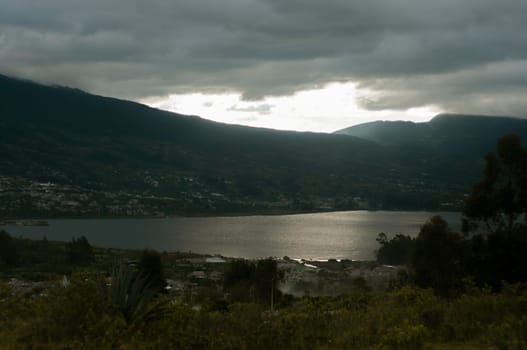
(67, 152)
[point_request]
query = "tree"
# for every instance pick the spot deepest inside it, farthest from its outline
(238, 270)
(257, 279)
(80, 251)
(396, 251)
(266, 278)
(499, 257)
(499, 200)
(496, 215)
(8, 250)
(151, 266)
(438, 256)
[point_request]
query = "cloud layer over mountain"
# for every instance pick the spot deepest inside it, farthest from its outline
(468, 56)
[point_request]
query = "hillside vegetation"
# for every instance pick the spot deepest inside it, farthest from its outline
(408, 318)
(453, 290)
(100, 154)
(69, 153)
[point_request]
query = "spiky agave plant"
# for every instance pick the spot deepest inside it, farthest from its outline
(136, 295)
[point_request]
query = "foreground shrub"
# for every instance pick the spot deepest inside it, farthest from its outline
(83, 316)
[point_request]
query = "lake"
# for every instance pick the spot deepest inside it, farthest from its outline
(340, 235)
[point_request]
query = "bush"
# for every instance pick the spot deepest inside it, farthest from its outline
(405, 337)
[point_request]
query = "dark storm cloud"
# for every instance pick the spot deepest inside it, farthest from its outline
(497, 88)
(467, 56)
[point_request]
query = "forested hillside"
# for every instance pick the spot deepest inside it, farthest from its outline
(69, 153)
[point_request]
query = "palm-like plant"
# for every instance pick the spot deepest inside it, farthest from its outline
(136, 295)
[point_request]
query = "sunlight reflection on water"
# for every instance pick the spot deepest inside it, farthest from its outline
(341, 235)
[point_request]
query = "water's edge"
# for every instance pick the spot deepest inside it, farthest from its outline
(341, 235)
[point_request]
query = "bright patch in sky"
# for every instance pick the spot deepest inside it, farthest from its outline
(332, 107)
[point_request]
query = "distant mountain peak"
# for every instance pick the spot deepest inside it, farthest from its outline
(447, 133)
(453, 117)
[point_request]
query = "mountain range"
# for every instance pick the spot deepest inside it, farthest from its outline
(455, 135)
(65, 152)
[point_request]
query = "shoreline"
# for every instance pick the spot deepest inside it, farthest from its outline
(205, 215)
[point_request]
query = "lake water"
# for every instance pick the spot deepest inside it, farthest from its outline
(340, 235)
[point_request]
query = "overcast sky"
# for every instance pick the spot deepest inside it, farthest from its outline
(289, 64)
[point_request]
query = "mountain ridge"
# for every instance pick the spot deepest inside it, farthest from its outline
(70, 153)
(457, 134)
(71, 138)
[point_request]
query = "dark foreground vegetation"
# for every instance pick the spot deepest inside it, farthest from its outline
(492, 249)
(83, 316)
(103, 305)
(454, 290)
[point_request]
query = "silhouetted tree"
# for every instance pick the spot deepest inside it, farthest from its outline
(238, 270)
(499, 257)
(396, 251)
(258, 280)
(499, 200)
(80, 251)
(151, 266)
(438, 257)
(8, 250)
(266, 278)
